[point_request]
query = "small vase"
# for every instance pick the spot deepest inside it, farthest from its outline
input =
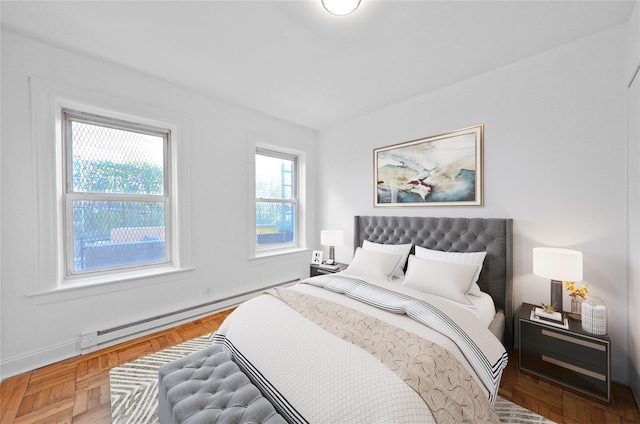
(594, 316)
(576, 307)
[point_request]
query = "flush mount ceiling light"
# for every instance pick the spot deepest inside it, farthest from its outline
(340, 7)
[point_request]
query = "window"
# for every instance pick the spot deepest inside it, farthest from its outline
(116, 194)
(128, 137)
(276, 176)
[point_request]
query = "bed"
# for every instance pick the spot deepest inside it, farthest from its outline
(493, 235)
(371, 343)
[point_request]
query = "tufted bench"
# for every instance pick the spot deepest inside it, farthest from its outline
(208, 387)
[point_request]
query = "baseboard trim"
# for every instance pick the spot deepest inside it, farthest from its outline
(39, 358)
(49, 355)
(29, 361)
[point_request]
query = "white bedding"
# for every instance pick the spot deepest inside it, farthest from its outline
(318, 385)
(328, 380)
(482, 306)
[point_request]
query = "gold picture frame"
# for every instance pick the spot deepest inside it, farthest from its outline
(440, 170)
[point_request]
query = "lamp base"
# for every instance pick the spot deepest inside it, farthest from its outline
(556, 294)
(332, 255)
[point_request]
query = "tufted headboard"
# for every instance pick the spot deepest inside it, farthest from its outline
(493, 235)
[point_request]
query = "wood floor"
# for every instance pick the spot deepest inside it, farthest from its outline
(77, 390)
(565, 406)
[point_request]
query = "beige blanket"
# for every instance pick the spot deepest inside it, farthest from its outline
(440, 379)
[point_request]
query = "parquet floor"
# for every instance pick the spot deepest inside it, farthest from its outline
(77, 390)
(565, 406)
(562, 405)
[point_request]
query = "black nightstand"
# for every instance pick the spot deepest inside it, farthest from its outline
(571, 358)
(318, 270)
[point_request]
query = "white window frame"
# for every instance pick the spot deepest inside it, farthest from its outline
(294, 201)
(48, 100)
(69, 195)
(259, 143)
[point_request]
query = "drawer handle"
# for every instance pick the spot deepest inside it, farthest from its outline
(575, 368)
(574, 340)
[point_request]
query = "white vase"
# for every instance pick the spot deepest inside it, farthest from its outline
(594, 316)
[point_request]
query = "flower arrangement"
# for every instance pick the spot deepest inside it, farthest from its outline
(575, 292)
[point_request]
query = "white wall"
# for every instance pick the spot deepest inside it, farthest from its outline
(34, 334)
(634, 199)
(554, 158)
(633, 40)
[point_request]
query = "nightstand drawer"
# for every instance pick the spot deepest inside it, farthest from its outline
(320, 271)
(594, 383)
(315, 269)
(573, 348)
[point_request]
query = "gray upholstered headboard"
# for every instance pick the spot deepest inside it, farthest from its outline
(493, 235)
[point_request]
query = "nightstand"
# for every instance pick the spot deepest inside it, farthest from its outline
(571, 358)
(318, 270)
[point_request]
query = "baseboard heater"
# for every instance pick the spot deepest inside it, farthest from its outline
(96, 340)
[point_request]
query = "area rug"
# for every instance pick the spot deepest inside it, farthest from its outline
(134, 389)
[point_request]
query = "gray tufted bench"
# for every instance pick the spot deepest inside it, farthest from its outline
(208, 387)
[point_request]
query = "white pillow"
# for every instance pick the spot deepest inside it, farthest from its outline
(446, 279)
(470, 258)
(373, 264)
(396, 249)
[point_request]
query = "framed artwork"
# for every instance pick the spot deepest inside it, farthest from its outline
(316, 257)
(441, 170)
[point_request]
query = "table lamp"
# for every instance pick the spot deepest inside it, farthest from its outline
(558, 265)
(331, 238)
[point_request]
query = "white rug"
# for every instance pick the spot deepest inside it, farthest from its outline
(134, 389)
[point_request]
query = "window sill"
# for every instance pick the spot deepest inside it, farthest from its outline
(109, 283)
(265, 254)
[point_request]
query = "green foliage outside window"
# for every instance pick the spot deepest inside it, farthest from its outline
(111, 177)
(95, 219)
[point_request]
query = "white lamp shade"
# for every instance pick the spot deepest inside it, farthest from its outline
(331, 237)
(340, 7)
(557, 264)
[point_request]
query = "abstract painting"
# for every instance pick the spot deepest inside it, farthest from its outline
(441, 170)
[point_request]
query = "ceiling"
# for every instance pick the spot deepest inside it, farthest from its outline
(292, 60)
